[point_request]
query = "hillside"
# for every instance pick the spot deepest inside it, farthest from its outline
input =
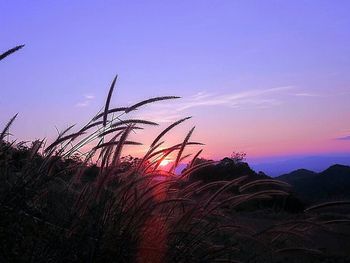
(297, 175)
(331, 184)
(285, 165)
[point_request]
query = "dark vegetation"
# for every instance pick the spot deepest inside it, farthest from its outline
(234, 168)
(331, 184)
(61, 204)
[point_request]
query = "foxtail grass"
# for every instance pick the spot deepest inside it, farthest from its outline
(60, 203)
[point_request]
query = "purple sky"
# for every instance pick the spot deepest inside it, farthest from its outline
(270, 78)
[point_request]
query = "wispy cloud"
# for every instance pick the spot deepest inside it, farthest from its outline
(233, 100)
(89, 96)
(82, 104)
(344, 138)
(306, 94)
(265, 98)
(163, 116)
(86, 102)
(320, 95)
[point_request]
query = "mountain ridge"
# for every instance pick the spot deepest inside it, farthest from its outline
(316, 163)
(332, 183)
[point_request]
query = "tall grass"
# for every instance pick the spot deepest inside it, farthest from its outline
(54, 209)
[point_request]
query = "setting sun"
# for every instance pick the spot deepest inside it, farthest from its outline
(165, 162)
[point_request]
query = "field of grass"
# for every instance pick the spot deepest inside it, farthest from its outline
(59, 203)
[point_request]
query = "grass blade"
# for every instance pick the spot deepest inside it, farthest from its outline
(151, 100)
(10, 51)
(167, 130)
(105, 114)
(178, 157)
(7, 127)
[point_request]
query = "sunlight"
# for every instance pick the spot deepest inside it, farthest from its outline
(165, 162)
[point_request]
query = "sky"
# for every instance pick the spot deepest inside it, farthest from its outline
(269, 78)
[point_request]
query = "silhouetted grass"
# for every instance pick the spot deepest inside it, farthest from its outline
(10, 51)
(59, 203)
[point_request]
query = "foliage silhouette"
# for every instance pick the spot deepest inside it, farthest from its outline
(59, 203)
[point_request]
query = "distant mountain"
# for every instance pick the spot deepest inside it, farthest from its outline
(286, 165)
(311, 187)
(297, 175)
